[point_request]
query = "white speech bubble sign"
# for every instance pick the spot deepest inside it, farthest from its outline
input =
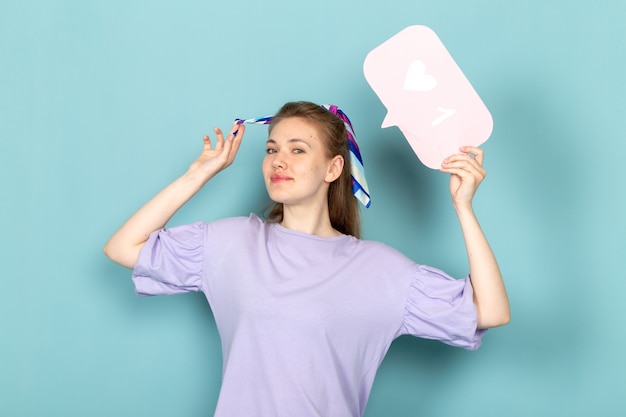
(426, 94)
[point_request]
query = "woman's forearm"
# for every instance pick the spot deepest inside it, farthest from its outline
(124, 246)
(490, 296)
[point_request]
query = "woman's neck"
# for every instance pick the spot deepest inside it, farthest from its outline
(313, 221)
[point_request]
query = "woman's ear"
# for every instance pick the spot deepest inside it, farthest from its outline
(334, 168)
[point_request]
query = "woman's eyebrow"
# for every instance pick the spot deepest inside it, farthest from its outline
(292, 140)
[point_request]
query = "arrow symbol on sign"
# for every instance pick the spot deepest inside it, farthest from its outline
(446, 114)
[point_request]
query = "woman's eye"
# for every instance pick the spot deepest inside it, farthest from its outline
(270, 151)
(298, 150)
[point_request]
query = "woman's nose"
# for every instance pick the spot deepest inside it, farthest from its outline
(278, 161)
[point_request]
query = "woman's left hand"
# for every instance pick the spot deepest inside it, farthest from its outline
(466, 173)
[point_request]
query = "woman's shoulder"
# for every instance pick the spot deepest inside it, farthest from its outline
(381, 251)
(377, 246)
(236, 224)
(251, 219)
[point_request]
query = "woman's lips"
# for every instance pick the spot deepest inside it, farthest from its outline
(279, 178)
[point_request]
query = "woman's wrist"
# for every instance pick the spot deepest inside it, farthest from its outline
(463, 208)
(196, 177)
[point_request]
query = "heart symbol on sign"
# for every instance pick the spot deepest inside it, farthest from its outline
(416, 78)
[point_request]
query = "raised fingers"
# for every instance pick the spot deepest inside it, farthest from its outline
(234, 140)
(219, 135)
(236, 131)
(207, 141)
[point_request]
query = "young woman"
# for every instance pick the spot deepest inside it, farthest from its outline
(305, 309)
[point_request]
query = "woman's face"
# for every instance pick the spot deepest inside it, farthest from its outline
(296, 169)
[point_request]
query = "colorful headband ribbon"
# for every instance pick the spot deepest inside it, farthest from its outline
(359, 184)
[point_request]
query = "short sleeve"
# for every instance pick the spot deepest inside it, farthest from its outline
(442, 308)
(171, 261)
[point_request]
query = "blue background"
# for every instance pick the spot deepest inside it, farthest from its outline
(102, 103)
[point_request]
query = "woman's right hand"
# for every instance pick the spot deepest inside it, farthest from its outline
(212, 160)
